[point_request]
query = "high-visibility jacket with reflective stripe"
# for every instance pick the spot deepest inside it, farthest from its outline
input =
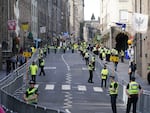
(104, 73)
(133, 88)
(112, 89)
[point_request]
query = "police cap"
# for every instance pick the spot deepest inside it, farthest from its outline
(133, 78)
(31, 82)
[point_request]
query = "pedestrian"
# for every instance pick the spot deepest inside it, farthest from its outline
(55, 49)
(64, 49)
(113, 91)
(8, 66)
(133, 91)
(48, 48)
(33, 68)
(45, 51)
(104, 75)
(90, 67)
(122, 55)
(42, 63)
(133, 68)
(72, 48)
(31, 94)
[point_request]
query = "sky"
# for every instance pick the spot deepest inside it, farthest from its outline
(91, 6)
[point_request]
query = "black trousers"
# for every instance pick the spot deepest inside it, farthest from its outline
(42, 70)
(91, 76)
(103, 80)
(33, 77)
(93, 65)
(133, 100)
(113, 103)
(87, 61)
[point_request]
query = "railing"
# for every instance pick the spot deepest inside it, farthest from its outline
(11, 83)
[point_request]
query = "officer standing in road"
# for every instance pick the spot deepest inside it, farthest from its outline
(104, 75)
(86, 56)
(31, 94)
(90, 67)
(42, 63)
(133, 90)
(33, 71)
(93, 61)
(113, 91)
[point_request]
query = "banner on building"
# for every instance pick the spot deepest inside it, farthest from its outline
(25, 26)
(11, 24)
(42, 29)
(140, 22)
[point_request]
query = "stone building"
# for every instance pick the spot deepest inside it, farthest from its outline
(44, 19)
(91, 29)
(111, 32)
(142, 41)
(78, 18)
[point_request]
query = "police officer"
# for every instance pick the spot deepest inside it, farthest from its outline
(33, 68)
(86, 56)
(90, 67)
(93, 62)
(48, 48)
(104, 74)
(133, 90)
(113, 91)
(31, 94)
(42, 63)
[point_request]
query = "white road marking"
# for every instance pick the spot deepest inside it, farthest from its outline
(68, 67)
(81, 88)
(49, 67)
(84, 68)
(66, 87)
(67, 110)
(97, 89)
(49, 87)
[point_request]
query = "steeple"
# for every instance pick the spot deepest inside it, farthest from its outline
(93, 17)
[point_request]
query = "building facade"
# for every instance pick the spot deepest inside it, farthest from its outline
(114, 13)
(78, 17)
(33, 19)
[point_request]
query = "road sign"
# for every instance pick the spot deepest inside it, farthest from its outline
(27, 54)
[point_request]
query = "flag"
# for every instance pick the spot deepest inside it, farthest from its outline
(140, 22)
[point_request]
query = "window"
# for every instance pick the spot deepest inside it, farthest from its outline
(123, 15)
